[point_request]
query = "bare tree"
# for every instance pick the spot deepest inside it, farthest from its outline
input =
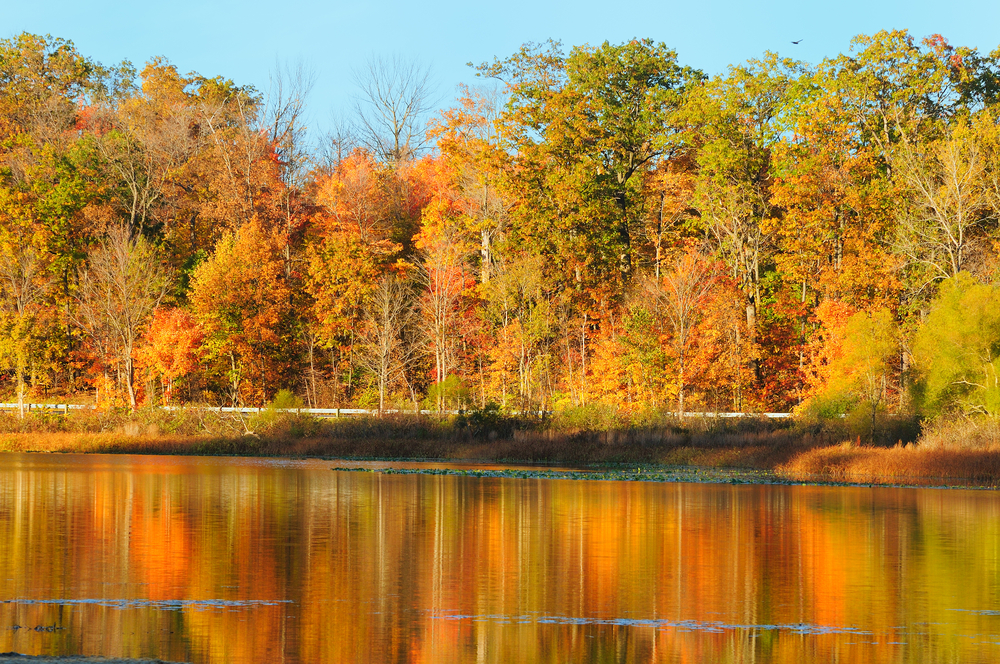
(311, 343)
(23, 280)
(283, 117)
(680, 295)
(338, 142)
(523, 315)
(387, 340)
(394, 98)
(147, 142)
(120, 288)
(948, 199)
(443, 277)
(246, 126)
(235, 128)
(284, 120)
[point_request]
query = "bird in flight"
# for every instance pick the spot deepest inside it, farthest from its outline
(796, 42)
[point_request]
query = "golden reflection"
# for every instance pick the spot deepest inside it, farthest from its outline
(238, 561)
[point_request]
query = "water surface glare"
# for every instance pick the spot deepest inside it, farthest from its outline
(266, 560)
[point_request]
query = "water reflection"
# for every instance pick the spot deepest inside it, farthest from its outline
(225, 560)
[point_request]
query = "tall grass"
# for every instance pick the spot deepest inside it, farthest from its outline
(980, 433)
(485, 435)
(958, 448)
(897, 464)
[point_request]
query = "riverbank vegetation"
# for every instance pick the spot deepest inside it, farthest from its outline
(601, 233)
(830, 451)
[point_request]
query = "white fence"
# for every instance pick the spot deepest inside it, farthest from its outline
(321, 412)
(316, 412)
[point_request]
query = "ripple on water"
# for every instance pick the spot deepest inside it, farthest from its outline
(714, 626)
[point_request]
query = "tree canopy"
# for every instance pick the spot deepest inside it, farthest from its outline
(593, 225)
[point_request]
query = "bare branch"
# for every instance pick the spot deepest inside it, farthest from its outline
(395, 96)
(119, 290)
(284, 110)
(387, 340)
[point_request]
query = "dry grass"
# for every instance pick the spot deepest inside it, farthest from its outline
(956, 449)
(381, 440)
(962, 433)
(556, 451)
(897, 464)
(747, 442)
(120, 443)
(845, 462)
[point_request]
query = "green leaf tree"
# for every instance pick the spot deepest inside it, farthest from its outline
(861, 370)
(956, 351)
(582, 129)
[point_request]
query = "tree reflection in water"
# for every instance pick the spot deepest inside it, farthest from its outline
(232, 560)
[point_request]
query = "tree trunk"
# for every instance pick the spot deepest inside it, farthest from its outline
(583, 361)
(874, 411)
(381, 393)
(130, 381)
(680, 390)
(20, 391)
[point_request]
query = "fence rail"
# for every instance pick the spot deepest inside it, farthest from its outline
(58, 407)
(325, 412)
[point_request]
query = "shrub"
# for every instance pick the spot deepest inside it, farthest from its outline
(487, 422)
(285, 400)
(959, 432)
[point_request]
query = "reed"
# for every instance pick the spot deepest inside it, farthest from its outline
(897, 464)
(959, 448)
(747, 443)
(962, 433)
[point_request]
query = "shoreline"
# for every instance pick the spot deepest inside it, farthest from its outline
(792, 461)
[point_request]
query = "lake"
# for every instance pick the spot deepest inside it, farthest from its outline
(214, 559)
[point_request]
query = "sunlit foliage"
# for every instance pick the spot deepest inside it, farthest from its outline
(596, 226)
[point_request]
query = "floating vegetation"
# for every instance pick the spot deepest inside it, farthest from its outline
(711, 626)
(650, 474)
(36, 628)
(637, 474)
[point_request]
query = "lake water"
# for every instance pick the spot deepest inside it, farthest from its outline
(256, 560)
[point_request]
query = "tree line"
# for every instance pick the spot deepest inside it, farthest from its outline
(597, 226)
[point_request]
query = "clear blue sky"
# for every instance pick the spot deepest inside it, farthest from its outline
(242, 39)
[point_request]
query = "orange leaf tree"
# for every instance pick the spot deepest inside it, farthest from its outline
(242, 300)
(171, 348)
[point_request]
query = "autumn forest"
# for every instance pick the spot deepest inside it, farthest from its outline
(588, 225)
